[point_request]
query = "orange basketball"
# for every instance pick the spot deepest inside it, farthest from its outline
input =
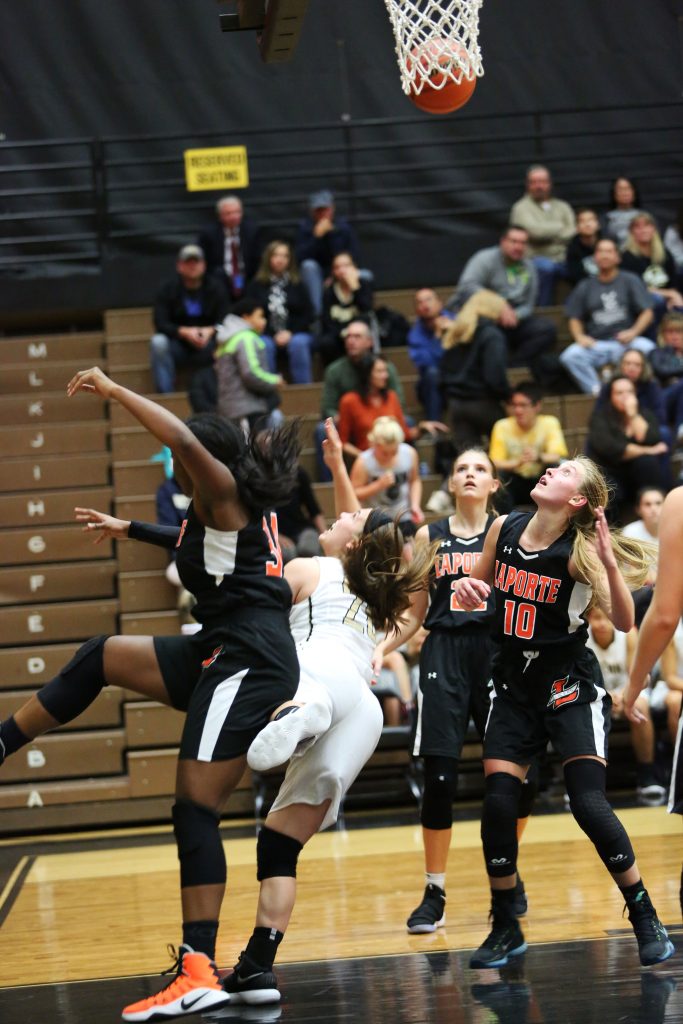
(436, 98)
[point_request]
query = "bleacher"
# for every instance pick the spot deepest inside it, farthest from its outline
(116, 763)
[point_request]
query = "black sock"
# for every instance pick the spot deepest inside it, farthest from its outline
(262, 946)
(286, 711)
(12, 737)
(631, 892)
(201, 937)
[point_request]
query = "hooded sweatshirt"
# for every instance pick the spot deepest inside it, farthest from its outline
(244, 383)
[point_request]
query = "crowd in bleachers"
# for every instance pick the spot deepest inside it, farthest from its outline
(248, 316)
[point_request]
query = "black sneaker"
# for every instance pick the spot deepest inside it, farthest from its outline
(251, 984)
(521, 904)
(654, 944)
(503, 941)
(431, 914)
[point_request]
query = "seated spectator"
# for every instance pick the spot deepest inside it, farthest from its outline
(671, 676)
(626, 442)
(186, 311)
(280, 292)
(425, 349)
(667, 363)
(624, 205)
(359, 409)
(300, 521)
(614, 651)
(473, 370)
(634, 365)
(507, 270)
(607, 314)
(524, 444)
(393, 689)
(320, 237)
(644, 254)
(387, 475)
(649, 503)
(247, 391)
(580, 258)
(231, 246)
(550, 224)
(673, 241)
(347, 297)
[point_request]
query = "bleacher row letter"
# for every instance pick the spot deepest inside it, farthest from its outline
(35, 624)
(36, 508)
(36, 544)
(37, 351)
(35, 665)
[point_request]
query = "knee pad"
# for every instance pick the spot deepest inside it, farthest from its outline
(585, 781)
(78, 684)
(499, 823)
(529, 793)
(441, 782)
(276, 854)
(200, 851)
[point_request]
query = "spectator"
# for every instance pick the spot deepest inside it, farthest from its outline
(425, 349)
(231, 246)
(614, 651)
(347, 297)
(387, 475)
(524, 444)
(507, 270)
(673, 241)
(649, 510)
(280, 292)
(473, 370)
(626, 442)
(644, 254)
(667, 363)
(393, 689)
(580, 258)
(247, 391)
(186, 311)
(624, 204)
(634, 365)
(320, 236)
(300, 521)
(607, 314)
(550, 224)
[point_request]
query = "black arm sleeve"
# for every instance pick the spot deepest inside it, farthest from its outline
(150, 533)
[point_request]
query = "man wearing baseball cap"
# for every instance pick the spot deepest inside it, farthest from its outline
(186, 310)
(320, 237)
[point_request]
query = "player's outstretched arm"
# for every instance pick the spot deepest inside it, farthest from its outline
(345, 499)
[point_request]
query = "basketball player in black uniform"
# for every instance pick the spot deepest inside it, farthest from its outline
(656, 631)
(455, 673)
(546, 567)
(229, 677)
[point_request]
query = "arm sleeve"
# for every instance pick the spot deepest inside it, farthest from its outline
(150, 533)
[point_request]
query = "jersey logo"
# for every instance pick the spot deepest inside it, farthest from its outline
(506, 550)
(182, 533)
(215, 654)
(530, 656)
(563, 692)
(274, 567)
(431, 675)
(445, 544)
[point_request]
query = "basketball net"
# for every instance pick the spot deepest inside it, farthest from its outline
(426, 31)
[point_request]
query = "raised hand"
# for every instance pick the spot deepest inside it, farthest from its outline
(603, 540)
(332, 445)
(93, 380)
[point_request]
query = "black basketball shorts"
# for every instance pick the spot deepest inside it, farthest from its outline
(550, 695)
(455, 674)
(675, 804)
(229, 681)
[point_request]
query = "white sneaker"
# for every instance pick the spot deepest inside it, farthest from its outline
(440, 503)
(278, 741)
(653, 794)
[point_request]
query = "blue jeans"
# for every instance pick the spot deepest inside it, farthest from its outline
(169, 354)
(299, 356)
(582, 363)
(549, 272)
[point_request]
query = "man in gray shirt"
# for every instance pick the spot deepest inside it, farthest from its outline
(507, 270)
(607, 315)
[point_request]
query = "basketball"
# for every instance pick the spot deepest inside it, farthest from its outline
(435, 97)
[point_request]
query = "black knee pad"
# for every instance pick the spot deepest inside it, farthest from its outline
(200, 850)
(529, 793)
(499, 823)
(78, 684)
(585, 781)
(441, 783)
(276, 854)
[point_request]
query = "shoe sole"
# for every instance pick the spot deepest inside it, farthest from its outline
(256, 998)
(425, 929)
(209, 999)
(276, 743)
(502, 961)
(670, 950)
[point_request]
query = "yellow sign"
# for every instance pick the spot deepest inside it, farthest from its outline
(217, 168)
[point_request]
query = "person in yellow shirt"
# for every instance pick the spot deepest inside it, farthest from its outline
(524, 443)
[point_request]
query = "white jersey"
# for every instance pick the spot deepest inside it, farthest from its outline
(333, 615)
(612, 660)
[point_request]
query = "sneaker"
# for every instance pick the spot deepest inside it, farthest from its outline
(251, 984)
(278, 741)
(196, 988)
(440, 503)
(521, 904)
(503, 941)
(652, 794)
(654, 944)
(431, 914)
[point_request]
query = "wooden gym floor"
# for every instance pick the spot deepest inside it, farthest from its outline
(84, 922)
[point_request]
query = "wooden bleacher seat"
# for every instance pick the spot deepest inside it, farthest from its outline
(31, 799)
(36, 544)
(34, 665)
(68, 755)
(53, 439)
(177, 402)
(41, 472)
(49, 407)
(58, 582)
(135, 557)
(146, 591)
(50, 507)
(72, 620)
(154, 623)
(85, 347)
(105, 713)
(149, 724)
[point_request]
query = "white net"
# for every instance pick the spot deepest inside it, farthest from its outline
(437, 41)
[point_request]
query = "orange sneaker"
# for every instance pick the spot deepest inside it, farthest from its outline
(195, 989)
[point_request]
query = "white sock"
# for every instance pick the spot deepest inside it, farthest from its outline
(433, 879)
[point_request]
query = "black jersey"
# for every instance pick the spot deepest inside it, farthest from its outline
(230, 569)
(456, 557)
(538, 604)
